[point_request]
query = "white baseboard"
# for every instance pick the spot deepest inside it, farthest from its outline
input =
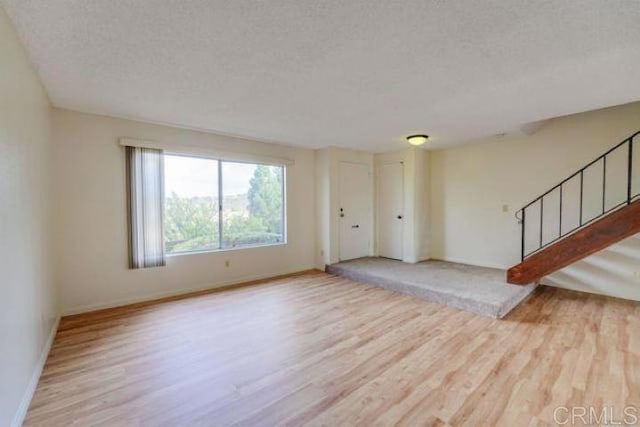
(157, 295)
(18, 418)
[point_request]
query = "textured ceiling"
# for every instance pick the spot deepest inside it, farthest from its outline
(351, 73)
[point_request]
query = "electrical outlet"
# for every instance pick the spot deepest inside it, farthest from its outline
(227, 263)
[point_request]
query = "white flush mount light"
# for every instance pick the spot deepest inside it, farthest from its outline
(417, 139)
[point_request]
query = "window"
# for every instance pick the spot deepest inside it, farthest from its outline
(252, 204)
(191, 212)
(214, 204)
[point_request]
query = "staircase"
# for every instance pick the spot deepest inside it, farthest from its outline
(592, 209)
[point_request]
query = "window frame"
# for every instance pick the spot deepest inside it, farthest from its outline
(220, 248)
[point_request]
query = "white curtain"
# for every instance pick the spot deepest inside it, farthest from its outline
(145, 187)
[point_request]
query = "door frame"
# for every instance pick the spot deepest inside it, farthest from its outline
(377, 203)
(370, 207)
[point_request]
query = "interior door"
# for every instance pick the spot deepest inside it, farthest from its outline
(354, 210)
(390, 210)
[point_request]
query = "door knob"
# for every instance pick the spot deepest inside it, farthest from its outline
(399, 216)
(355, 226)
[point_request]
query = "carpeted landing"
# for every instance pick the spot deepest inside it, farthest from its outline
(479, 290)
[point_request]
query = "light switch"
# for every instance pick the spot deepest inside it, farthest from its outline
(505, 208)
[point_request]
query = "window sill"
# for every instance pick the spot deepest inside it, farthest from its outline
(239, 248)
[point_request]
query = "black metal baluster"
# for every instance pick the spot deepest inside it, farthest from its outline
(560, 222)
(604, 181)
(541, 213)
(581, 191)
(522, 236)
(629, 169)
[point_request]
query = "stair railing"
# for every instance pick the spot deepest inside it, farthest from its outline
(624, 155)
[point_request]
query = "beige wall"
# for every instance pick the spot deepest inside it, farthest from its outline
(457, 199)
(90, 221)
(28, 307)
(470, 184)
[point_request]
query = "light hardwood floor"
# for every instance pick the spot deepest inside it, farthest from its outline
(322, 350)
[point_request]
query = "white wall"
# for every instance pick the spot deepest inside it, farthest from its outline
(90, 217)
(323, 209)
(327, 184)
(28, 306)
(613, 271)
(470, 184)
(422, 205)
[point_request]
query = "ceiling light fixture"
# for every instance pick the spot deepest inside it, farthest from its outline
(417, 139)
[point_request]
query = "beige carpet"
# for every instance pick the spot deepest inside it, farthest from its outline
(479, 290)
